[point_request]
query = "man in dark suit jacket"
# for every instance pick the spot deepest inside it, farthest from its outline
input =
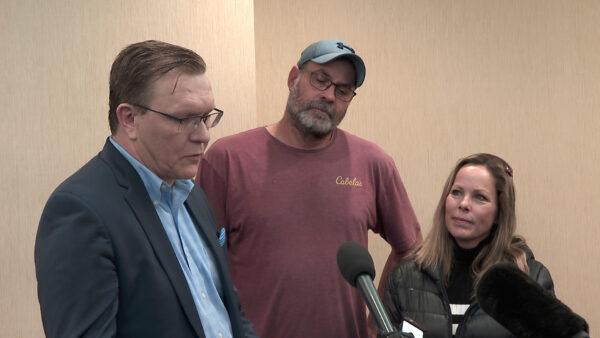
(127, 246)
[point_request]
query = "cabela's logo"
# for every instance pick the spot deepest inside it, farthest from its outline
(354, 182)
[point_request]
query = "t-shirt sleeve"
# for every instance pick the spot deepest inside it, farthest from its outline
(396, 219)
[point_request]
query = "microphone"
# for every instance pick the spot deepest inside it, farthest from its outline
(524, 308)
(356, 265)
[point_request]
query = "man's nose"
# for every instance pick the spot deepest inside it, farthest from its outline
(201, 133)
(329, 93)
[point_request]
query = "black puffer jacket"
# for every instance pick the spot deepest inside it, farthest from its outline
(419, 294)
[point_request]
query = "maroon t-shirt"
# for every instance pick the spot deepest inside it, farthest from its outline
(287, 210)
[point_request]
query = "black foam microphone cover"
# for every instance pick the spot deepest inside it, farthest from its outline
(523, 307)
(353, 260)
(356, 265)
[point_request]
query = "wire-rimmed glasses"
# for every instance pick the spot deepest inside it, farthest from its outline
(190, 123)
(322, 81)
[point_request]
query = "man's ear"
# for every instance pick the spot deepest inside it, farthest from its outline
(126, 118)
(293, 76)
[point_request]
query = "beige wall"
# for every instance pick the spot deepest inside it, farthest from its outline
(54, 67)
(444, 79)
(449, 78)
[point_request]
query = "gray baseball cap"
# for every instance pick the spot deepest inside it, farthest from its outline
(325, 51)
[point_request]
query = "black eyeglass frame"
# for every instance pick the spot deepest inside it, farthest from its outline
(317, 85)
(183, 121)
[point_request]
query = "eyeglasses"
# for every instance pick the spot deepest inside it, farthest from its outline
(321, 81)
(191, 123)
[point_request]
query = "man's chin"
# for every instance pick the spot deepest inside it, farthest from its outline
(188, 175)
(188, 171)
(314, 123)
(318, 132)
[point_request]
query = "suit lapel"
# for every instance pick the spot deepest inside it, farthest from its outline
(198, 209)
(140, 203)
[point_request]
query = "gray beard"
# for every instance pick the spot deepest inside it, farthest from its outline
(304, 119)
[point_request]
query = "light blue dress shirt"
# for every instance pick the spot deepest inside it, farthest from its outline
(194, 258)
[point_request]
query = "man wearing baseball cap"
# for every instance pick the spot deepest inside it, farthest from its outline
(290, 193)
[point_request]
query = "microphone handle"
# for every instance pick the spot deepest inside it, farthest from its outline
(365, 284)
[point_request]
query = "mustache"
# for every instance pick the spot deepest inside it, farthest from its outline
(324, 106)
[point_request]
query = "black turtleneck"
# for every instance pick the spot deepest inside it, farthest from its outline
(460, 281)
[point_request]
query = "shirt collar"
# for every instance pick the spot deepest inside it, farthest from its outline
(153, 183)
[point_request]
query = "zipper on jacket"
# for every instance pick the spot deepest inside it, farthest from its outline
(472, 307)
(446, 302)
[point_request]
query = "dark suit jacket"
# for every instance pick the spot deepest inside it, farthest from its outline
(105, 266)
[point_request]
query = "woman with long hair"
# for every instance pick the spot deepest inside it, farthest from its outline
(473, 229)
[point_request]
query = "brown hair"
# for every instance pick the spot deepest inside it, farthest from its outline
(437, 250)
(140, 64)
